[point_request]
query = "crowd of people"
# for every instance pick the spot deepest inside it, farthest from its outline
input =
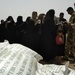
(43, 33)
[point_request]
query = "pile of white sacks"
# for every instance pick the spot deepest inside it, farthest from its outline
(16, 59)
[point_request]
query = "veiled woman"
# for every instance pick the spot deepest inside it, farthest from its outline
(48, 36)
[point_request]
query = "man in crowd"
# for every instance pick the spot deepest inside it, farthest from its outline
(70, 45)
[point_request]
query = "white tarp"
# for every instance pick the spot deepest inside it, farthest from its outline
(16, 59)
(14, 62)
(18, 65)
(52, 69)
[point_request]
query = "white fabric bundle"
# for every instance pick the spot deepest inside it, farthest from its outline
(16, 59)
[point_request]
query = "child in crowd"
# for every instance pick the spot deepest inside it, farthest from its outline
(59, 46)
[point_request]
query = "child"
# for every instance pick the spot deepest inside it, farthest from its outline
(59, 46)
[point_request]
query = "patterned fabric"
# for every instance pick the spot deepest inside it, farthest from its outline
(72, 18)
(70, 44)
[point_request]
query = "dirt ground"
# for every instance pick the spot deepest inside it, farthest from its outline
(71, 64)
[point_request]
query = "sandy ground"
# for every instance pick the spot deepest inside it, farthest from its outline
(71, 64)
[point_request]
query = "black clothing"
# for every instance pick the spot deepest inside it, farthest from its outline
(48, 42)
(10, 32)
(60, 50)
(2, 32)
(31, 36)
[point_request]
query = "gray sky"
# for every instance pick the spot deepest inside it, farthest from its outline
(25, 7)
